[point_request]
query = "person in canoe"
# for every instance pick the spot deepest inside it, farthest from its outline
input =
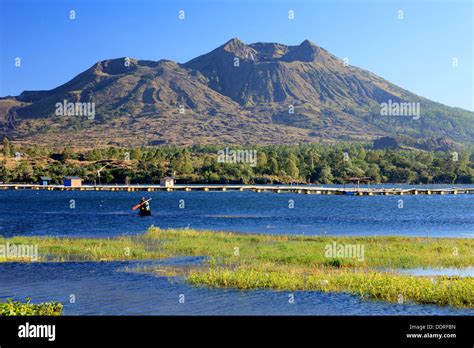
(144, 207)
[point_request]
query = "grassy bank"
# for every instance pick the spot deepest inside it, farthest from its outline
(247, 261)
(11, 308)
(391, 252)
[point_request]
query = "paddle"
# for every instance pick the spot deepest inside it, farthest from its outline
(140, 204)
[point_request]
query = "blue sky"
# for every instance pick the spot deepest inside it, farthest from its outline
(415, 52)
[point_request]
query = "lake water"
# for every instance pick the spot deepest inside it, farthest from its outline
(431, 272)
(106, 288)
(101, 214)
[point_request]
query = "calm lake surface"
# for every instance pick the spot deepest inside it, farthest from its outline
(107, 288)
(102, 214)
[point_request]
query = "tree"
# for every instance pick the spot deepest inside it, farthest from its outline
(5, 173)
(325, 175)
(291, 168)
(181, 163)
(273, 166)
(68, 153)
(6, 147)
(261, 160)
(374, 173)
(136, 154)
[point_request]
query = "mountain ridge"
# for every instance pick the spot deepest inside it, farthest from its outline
(235, 94)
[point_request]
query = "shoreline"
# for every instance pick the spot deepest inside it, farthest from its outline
(299, 189)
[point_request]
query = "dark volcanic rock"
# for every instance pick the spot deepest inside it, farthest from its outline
(235, 94)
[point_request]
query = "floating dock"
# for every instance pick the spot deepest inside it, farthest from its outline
(302, 189)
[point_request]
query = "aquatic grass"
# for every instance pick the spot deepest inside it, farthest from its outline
(286, 262)
(87, 249)
(389, 252)
(457, 292)
(395, 252)
(13, 308)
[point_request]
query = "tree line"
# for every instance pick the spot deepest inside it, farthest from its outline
(303, 163)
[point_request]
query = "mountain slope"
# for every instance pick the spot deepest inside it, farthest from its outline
(235, 94)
